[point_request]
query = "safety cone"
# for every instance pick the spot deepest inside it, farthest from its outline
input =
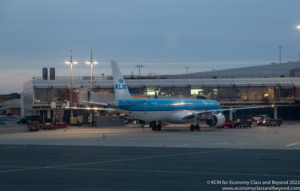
(103, 136)
(65, 129)
(275, 132)
(143, 130)
(201, 130)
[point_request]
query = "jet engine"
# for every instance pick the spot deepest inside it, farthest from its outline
(216, 120)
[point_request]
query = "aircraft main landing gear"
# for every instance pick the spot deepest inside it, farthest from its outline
(155, 125)
(196, 126)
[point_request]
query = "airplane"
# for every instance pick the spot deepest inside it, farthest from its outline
(158, 111)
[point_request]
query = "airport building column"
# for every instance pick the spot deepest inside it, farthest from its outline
(275, 112)
(22, 105)
(48, 114)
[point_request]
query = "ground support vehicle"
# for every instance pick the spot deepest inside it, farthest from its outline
(34, 125)
(260, 119)
(229, 124)
(29, 118)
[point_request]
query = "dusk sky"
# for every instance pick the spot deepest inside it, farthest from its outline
(164, 36)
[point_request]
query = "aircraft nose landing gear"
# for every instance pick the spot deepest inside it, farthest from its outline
(192, 127)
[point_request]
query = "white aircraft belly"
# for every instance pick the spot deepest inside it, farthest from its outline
(150, 115)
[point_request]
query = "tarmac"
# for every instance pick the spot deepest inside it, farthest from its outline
(285, 137)
(126, 158)
(48, 167)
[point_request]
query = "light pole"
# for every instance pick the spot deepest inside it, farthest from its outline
(71, 63)
(187, 72)
(92, 63)
(139, 66)
(280, 47)
(298, 28)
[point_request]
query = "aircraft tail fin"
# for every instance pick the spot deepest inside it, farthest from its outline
(120, 86)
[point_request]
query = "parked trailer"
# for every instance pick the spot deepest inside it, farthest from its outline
(244, 124)
(60, 125)
(36, 125)
(46, 126)
(235, 124)
(272, 122)
(54, 125)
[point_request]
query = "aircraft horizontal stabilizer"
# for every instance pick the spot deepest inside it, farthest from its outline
(95, 103)
(93, 108)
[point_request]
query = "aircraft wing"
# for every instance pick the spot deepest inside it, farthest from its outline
(238, 108)
(114, 106)
(198, 113)
(132, 104)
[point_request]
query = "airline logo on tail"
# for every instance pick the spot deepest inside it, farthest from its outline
(120, 85)
(121, 89)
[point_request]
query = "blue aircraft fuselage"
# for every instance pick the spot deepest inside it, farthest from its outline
(168, 104)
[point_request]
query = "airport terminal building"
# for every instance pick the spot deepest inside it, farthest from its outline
(46, 95)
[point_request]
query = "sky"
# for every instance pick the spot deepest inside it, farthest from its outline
(164, 36)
